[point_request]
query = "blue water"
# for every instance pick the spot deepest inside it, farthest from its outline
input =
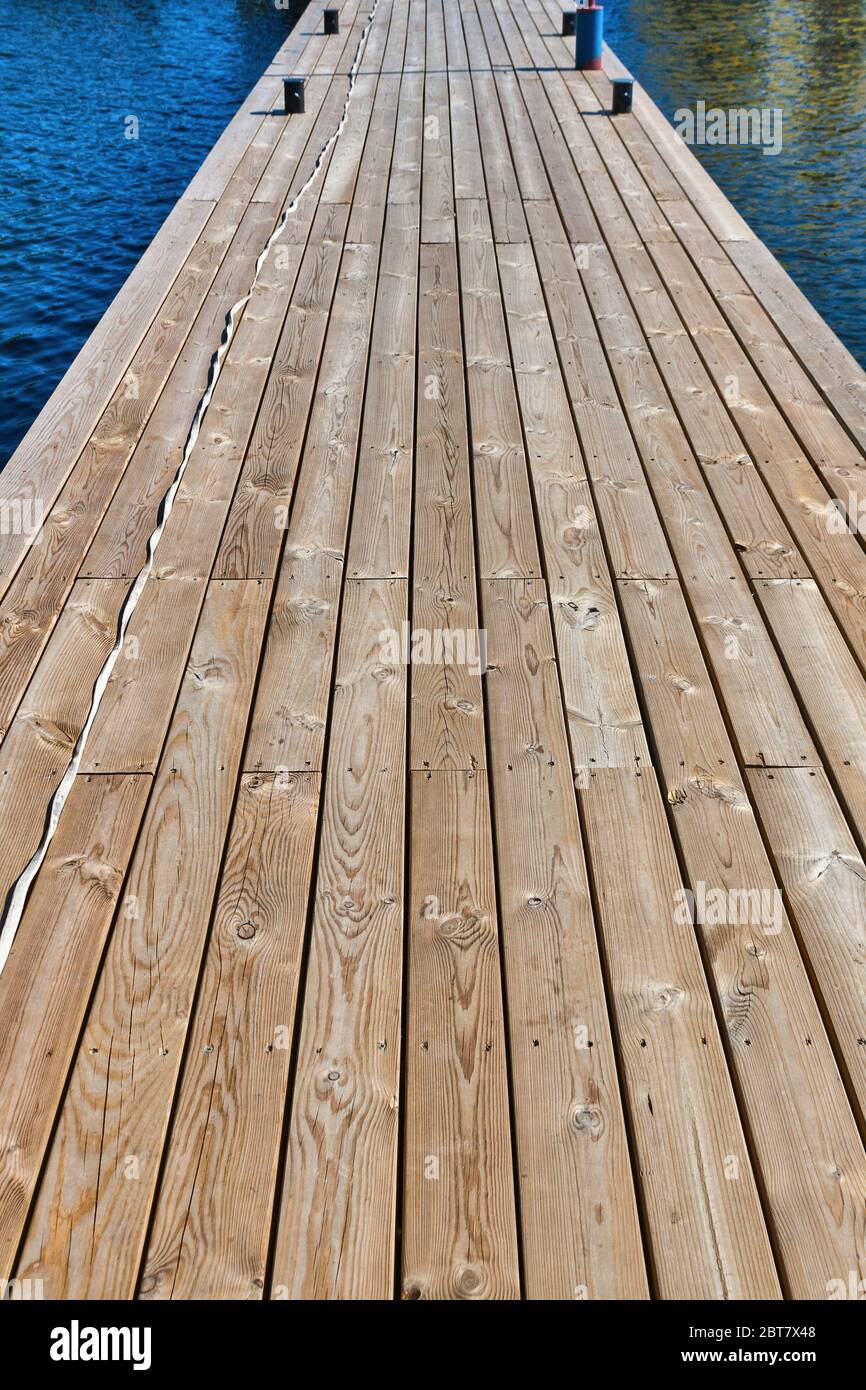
(807, 58)
(79, 202)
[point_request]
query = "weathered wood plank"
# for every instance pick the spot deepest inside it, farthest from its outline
(506, 541)
(824, 877)
(603, 716)
(447, 702)
(810, 642)
(379, 540)
(89, 1221)
(38, 747)
(212, 1216)
(805, 1143)
(459, 1228)
(336, 1225)
(706, 1229)
(572, 1148)
(46, 983)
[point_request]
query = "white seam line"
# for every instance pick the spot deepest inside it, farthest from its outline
(18, 894)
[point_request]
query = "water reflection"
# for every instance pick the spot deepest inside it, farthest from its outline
(808, 58)
(79, 201)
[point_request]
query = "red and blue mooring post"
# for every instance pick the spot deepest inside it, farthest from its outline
(590, 29)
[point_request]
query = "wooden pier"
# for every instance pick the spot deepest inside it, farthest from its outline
(347, 976)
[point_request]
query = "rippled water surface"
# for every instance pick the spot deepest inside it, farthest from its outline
(79, 202)
(807, 58)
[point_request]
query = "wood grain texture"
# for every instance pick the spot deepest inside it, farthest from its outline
(360, 966)
(35, 597)
(40, 465)
(459, 1231)
(706, 1231)
(45, 987)
(447, 712)
(804, 1138)
(336, 1231)
(212, 1215)
(120, 545)
(89, 1221)
(38, 747)
(824, 878)
(507, 546)
(572, 1147)
(603, 716)
(379, 542)
(314, 426)
(810, 641)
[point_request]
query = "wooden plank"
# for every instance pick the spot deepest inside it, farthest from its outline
(459, 1226)
(323, 341)
(135, 713)
(49, 570)
(46, 983)
(603, 716)
(193, 530)
(203, 519)
(578, 1215)
(242, 1045)
(37, 470)
(811, 642)
(447, 700)
(368, 203)
(503, 192)
(379, 539)
(112, 550)
(833, 552)
(89, 1221)
(252, 541)
(307, 598)
(762, 541)
(43, 461)
(404, 184)
(323, 456)
(767, 723)
(634, 536)
(505, 527)
(825, 439)
(212, 1216)
(288, 724)
(336, 1225)
(437, 195)
(714, 207)
(824, 878)
(36, 595)
(707, 1236)
(804, 1139)
(837, 374)
(135, 710)
(138, 701)
(119, 548)
(38, 747)
(379, 542)
(773, 545)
